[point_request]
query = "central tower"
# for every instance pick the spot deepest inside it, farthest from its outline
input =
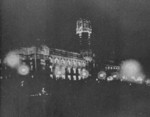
(84, 30)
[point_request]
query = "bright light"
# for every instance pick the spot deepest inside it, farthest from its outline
(79, 77)
(102, 75)
(23, 70)
(12, 60)
(74, 77)
(74, 70)
(140, 79)
(69, 69)
(51, 75)
(115, 75)
(69, 77)
(110, 78)
(84, 73)
(131, 69)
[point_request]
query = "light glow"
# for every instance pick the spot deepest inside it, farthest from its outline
(132, 71)
(23, 70)
(102, 75)
(110, 78)
(84, 73)
(12, 60)
(115, 75)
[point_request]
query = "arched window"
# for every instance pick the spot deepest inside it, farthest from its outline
(74, 63)
(56, 60)
(69, 62)
(63, 61)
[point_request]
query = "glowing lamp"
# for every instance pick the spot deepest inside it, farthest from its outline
(12, 60)
(84, 73)
(110, 78)
(102, 75)
(23, 70)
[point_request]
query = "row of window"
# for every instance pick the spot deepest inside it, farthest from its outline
(112, 67)
(60, 61)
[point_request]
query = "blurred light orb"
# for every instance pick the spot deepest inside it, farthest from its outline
(102, 75)
(12, 59)
(132, 71)
(23, 70)
(110, 78)
(115, 75)
(84, 73)
(131, 68)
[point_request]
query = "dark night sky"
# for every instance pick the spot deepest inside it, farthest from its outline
(120, 24)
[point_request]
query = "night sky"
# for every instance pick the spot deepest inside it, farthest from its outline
(120, 25)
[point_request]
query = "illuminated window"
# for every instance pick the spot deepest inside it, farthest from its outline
(69, 77)
(56, 60)
(74, 70)
(51, 67)
(69, 69)
(79, 77)
(74, 77)
(79, 70)
(63, 77)
(57, 77)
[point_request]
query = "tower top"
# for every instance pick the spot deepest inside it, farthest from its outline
(83, 26)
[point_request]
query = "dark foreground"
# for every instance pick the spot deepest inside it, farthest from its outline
(75, 99)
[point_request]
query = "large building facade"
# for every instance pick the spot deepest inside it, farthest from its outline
(62, 64)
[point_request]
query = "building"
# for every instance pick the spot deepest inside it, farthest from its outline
(61, 63)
